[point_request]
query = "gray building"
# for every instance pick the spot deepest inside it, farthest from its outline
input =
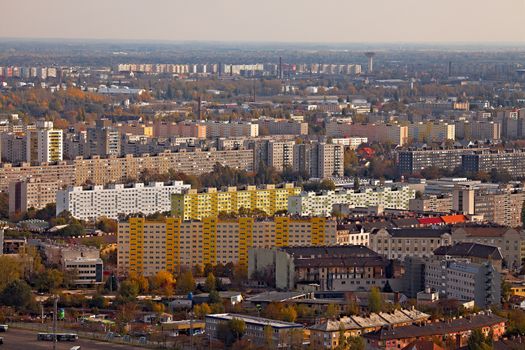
(104, 139)
(463, 280)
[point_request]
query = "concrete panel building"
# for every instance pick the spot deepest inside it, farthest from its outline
(146, 247)
(32, 193)
(194, 205)
(321, 204)
(114, 200)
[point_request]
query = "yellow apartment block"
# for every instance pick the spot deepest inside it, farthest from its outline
(147, 247)
(194, 205)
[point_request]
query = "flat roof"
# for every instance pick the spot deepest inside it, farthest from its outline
(256, 320)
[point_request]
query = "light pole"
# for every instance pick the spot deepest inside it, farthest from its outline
(55, 311)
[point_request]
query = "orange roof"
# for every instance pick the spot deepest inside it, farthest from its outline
(454, 219)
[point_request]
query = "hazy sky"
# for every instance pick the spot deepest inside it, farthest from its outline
(268, 20)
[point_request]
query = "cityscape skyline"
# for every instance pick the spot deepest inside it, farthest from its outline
(377, 21)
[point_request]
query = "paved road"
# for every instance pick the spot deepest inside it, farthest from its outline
(18, 339)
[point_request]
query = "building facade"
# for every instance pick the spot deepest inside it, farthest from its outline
(341, 268)
(510, 242)
(114, 200)
(283, 334)
(32, 193)
(147, 247)
(194, 205)
(313, 204)
(465, 281)
(403, 243)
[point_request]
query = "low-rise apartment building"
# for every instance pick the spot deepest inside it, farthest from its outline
(147, 247)
(384, 133)
(283, 334)
(510, 242)
(326, 335)
(512, 161)
(342, 268)
(457, 330)
(269, 126)
(410, 242)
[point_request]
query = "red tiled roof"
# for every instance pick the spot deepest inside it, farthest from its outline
(454, 219)
(430, 221)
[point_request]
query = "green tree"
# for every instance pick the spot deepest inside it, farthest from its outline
(231, 331)
(17, 294)
(478, 341)
(214, 297)
(211, 282)
(129, 290)
(185, 283)
(201, 310)
(289, 314)
(10, 270)
(375, 301)
(355, 343)
(332, 311)
(49, 280)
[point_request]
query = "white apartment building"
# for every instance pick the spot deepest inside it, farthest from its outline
(314, 204)
(351, 142)
(117, 199)
(465, 281)
(44, 144)
(345, 237)
(88, 271)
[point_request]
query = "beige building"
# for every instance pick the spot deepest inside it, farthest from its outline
(60, 172)
(431, 203)
(215, 129)
(390, 133)
(501, 206)
(147, 247)
(282, 127)
(413, 242)
(508, 240)
(32, 193)
(280, 154)
(101, 171)
(431, 131)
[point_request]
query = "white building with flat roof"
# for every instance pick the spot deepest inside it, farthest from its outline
(117, 199)
(321, 204)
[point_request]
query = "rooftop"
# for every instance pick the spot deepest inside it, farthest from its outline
(466, 249)
(461, 324)
(256, 320)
